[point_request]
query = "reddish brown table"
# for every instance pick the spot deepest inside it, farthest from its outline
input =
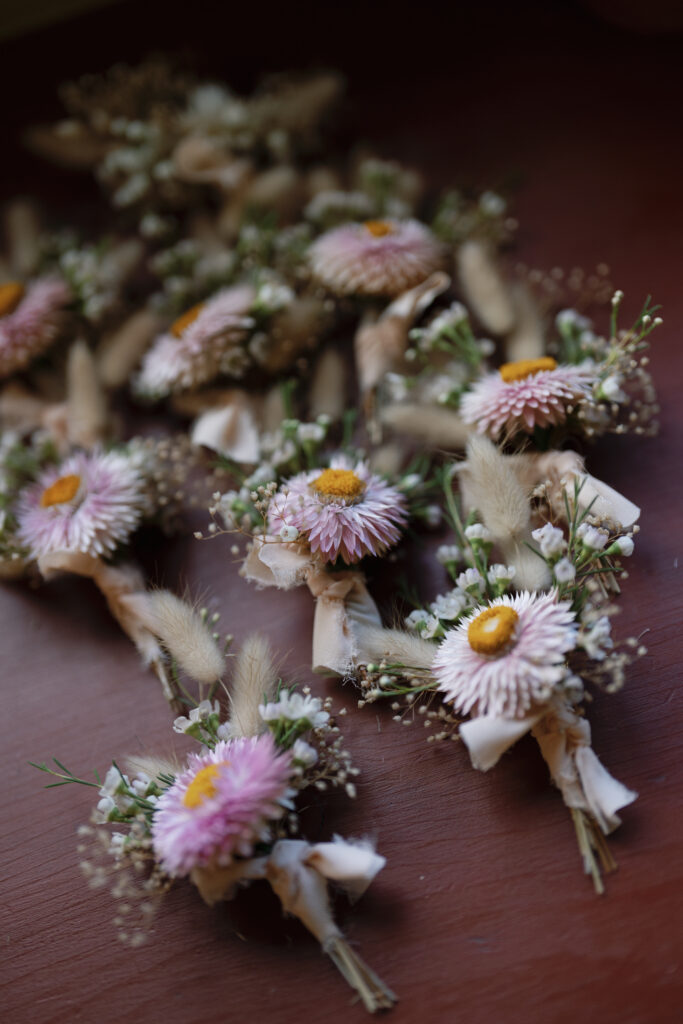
(482, 914)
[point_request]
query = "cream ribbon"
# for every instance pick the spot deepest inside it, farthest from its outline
(231, 429)
(343, 605)
(299, 872)
(562, 469)
(565, 741)
(380, 344)
(122, 587)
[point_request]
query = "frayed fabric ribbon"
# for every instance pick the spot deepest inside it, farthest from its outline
(121, 585)
(561, 469)
(231, 429)
(565, 741)
(299, 873)
(342, 603)
(380, 344)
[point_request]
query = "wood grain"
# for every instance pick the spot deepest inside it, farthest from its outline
(482, 914)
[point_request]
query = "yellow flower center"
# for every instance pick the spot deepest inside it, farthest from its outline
(492, 629)
(339, 483)
(179, 326)
(378, 228)
(60, 491)
(11, 295)
(203, 785)
(526, 368)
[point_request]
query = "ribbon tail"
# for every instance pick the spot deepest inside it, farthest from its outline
(487, 737)
(341, 612)
(604, 794)
(302, 890)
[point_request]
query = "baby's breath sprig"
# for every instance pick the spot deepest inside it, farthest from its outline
(416, 689)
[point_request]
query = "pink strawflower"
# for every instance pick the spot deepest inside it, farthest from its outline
(221, 806)
(506, 658)
(30, 320)
(522, 396)
(340, 511)
(379, 257)
(90, 503)
(200, 345)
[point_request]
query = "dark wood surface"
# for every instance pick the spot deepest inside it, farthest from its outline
(482, 914)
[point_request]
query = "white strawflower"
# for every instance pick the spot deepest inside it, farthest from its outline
(507, 657)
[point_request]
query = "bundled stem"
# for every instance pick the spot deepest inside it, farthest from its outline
(591, 842)
(371, 989)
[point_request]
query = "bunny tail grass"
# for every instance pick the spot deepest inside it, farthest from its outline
(396, 646)
(253, 683)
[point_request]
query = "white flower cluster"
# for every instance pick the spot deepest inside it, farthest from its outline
(592, 537)
(115, 803)
(196, 718)
(477, 534)
(272, 295)
(595, 637)
(295, 707)
(448, 554)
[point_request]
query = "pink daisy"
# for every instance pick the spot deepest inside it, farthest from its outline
(30, 319)
(340, 511)
(379, 257)
(221, 806)
(199, 346)
(90, 503)
(524, 395)
(506, 658)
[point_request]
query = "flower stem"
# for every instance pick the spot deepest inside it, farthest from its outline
(591, 842)
(371, 989)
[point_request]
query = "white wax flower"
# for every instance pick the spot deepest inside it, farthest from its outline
(470, 579)
(624, 546)
(477, 531)
(295, 707)
(448, 553)
(564, 571)
(591, 537)
(550, 540)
